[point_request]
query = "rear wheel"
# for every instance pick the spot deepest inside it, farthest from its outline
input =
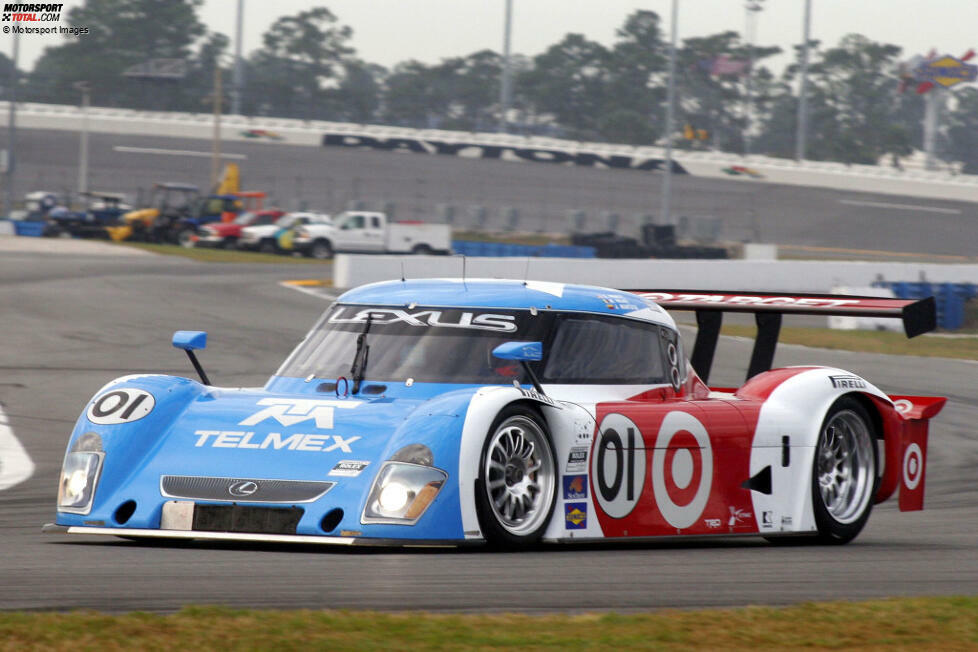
(844, 474)
(268, 247)
(321, 250)
(517, 486)
(422, 250)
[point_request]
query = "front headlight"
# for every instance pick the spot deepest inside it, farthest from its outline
(79, 475)
(402, 492)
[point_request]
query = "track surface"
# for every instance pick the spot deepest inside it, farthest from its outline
(327, 178)
(73, 323)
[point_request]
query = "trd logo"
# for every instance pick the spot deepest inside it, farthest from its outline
(290, 411)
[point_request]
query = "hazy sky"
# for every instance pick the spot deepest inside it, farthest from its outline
(389, 31)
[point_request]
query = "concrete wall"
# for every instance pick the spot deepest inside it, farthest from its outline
(777, 276)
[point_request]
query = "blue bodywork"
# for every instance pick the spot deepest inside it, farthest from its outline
(302, 428)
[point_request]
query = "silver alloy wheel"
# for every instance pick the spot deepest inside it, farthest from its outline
(519, 475)
(845, 466)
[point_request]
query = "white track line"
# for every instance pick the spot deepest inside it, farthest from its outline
(15, 464)
(901, 207)
(174, 152)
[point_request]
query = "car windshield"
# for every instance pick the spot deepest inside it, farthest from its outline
(454, 345)
(244, 218)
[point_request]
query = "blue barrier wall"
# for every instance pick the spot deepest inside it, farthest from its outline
(33, 229)
(501, 250)
(950, 298)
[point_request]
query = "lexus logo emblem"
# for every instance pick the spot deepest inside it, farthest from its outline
(243, 488)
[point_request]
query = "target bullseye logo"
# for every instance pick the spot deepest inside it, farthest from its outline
(903, 406)
(682, 469)
(913, 466)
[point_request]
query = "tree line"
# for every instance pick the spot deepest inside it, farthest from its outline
(579, 89)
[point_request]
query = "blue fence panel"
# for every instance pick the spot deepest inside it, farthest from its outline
(949, 298)
(505, 250)
(33, 229)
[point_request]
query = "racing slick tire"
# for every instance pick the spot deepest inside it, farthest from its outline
(516, 490)
(844, 477)
(321, 250)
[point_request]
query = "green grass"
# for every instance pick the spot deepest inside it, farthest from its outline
(965, 348)
(208, 255)
(947, 623)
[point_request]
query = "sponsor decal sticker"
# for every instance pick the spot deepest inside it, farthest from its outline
(274, 440)
(767, 520)
(847, 382)
(738, 517)
(537, 396)
(712, 523)
(290, 411)
(682, 469)
(120, 406)
(618, 465)
(785, 522)
(384, 316)
(903, 406)
(913, 466)
(577, 459)
(575, 516)
(349, 468)
(575, 487)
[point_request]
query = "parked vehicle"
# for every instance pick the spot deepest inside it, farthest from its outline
(277, 237)
(225, 235)
(370, 232)
(102, 209)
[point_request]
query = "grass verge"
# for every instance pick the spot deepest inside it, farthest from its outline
(208, 255)
(965, 348)
(949, 623)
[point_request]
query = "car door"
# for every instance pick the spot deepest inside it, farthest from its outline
(352, 234)
(664, 463)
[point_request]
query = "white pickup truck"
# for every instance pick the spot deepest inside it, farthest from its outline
(369, 232)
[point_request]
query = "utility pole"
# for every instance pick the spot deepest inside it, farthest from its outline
(802, 126)
(12, 128)
(86, 93)
(750, 32)
(216, 101)
(506, 87)
(670, 118)
(238, 65)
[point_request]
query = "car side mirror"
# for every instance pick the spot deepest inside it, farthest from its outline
(190, 340)
(522, 351)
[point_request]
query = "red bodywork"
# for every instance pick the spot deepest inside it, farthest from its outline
(232, 230)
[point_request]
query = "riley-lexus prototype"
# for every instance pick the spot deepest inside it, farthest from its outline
(504, 412)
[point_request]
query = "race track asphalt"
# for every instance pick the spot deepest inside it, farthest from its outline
(71, 323)
(415, 185)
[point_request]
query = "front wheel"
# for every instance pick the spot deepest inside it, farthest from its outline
(517, 486)
(844, 474)
(185, 238)
(321, 250)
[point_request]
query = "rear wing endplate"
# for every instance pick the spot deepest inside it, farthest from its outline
(918, 317)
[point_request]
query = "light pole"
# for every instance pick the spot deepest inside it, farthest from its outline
(86, 91)
(670, 118)
(750, 32)
(12, 127)
(238, 66)
(802, 126)
(506, 87)
(216, 102)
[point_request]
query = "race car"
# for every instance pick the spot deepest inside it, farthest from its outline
(504, 412)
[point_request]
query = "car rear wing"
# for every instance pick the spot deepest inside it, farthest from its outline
(918, 316)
